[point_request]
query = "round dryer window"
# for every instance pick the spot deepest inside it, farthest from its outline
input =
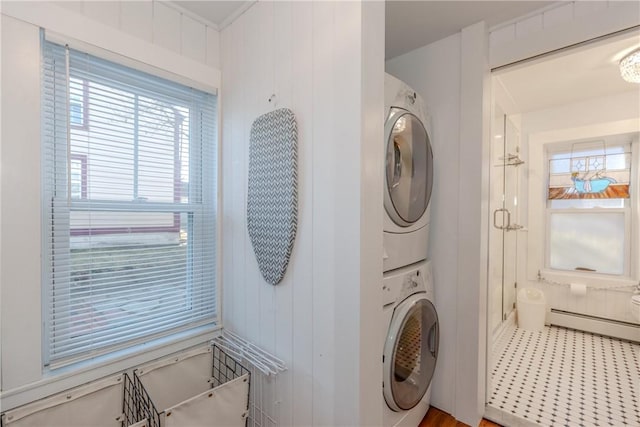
(410, 352)
(409, 167)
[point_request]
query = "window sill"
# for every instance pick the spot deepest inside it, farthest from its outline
(598, 280)
(57, 380)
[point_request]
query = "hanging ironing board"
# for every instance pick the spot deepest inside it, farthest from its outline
(272, 200)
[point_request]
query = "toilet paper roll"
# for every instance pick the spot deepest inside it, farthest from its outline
(578, 289)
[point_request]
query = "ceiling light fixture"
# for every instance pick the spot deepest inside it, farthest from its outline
(630, 67)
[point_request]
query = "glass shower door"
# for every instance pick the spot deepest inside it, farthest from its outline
(505, 186)
(510, 165)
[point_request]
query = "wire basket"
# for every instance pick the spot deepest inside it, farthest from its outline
(224, 368)
(131, 408)
(132, 411)
(140, 404)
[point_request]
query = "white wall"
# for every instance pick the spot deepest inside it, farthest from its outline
(325, 61)
(160, 23)
(559, 25)
(131, 33)
(450, 75)
(591, 119)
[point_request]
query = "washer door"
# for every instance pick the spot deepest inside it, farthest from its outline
(410, 352)
(409, 167)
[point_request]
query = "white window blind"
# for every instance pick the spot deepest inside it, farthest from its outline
(129, 187)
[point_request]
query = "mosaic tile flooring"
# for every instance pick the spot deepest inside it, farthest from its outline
(562, 377)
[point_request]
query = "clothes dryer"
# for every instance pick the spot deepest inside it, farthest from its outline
(408, 176)
(411, 344)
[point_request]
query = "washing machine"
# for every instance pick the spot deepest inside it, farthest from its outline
(408, 176)
(411, 344)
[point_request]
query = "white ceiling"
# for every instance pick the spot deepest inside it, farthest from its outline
(589, 71)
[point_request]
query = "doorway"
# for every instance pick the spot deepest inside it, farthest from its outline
(552, 117)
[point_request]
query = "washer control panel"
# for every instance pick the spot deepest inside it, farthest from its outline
(400, 283)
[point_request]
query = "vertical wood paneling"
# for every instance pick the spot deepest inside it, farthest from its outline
(166, 27)
(585, 8)
(323, 226)
(371, 323)
(301, 329)
(194, 39)
(266, 59)
(237, 216)
(228, 113)
(75, 6)
(20, 226)
(107, 12)
(346, 207)
(213, 47)
(136, 18)
(294, 51)
(473, 194)
(283, 295)
(158, 23)
(253, 39)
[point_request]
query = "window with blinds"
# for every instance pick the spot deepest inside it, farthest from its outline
(129, 221)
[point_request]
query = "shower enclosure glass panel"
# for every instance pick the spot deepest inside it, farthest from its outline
(505, 186)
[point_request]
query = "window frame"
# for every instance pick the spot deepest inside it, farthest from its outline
(629, 210)
(535, 266)
(163, 338)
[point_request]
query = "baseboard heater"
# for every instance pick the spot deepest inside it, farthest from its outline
(597, 325)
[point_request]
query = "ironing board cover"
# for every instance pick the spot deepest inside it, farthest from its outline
(272, 202)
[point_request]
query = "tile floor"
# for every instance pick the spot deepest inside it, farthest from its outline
(562, 377)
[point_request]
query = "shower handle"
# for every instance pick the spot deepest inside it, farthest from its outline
(495, 219)
(509, 226)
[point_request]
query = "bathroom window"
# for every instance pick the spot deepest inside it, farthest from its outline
(129, 167)
(588, 207)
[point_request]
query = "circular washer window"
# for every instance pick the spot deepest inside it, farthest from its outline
(409, 168)
(413, 355)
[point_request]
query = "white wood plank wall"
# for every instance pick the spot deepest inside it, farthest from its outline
(559, 25)
(157, 22)
(309, 55)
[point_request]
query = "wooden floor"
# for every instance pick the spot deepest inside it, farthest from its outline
(437, 418)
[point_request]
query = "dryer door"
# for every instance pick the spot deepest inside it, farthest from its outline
(409, 167)
(410, 352)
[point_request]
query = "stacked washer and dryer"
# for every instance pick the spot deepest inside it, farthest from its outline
(411, 343)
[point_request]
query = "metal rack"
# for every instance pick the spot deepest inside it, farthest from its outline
(264, 367)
